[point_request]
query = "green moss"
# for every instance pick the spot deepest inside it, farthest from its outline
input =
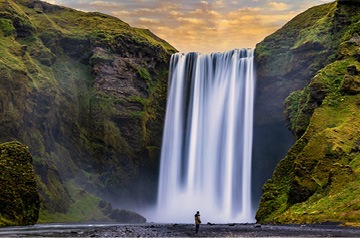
(304, 30)
(321, 166)
(51, 100)
(7, 27)
(144, 74)
(84, 207)
(19, 197)
(153, 39)
(314, 33)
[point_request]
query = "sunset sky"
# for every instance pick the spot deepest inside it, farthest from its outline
(201, 25)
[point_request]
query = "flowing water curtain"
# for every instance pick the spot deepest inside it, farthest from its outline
(206, 151)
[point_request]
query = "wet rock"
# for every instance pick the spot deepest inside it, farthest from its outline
(124, 216)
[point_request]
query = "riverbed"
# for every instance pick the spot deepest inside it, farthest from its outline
(177, 230)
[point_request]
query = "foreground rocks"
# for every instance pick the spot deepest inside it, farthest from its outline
(180, 230)
(224, 230)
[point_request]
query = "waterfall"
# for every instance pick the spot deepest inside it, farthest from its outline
(207, 141)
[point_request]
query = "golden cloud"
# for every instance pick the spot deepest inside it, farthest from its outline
(105, 4)
(278, 6)
(207, 29)
(203, 25)
(148, 20)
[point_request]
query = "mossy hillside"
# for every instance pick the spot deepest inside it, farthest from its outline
(305, 29)
(315, 182)
(285, 61)
(327, 83)
(19, 197)
(61, 95)
(290, 57)
(83, 206)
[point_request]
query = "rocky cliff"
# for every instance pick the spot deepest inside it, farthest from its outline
(318, 53)
(86, 92)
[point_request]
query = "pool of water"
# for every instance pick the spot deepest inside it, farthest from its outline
(52, 229)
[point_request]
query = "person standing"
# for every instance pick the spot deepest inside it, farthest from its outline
(197, 222)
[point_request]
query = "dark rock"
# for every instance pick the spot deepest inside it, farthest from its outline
(24, 28)
(105, 207)
(124, 216)
(350, 2)
(300, 192)
(351, 85)
(352, 70)
(317, 91)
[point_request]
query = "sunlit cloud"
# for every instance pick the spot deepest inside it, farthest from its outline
(278, 6)
(202, 25)
(104, 4)
(148, 20)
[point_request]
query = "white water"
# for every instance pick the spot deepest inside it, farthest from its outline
(207, 141)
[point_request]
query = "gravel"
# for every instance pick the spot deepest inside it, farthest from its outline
(180, 230)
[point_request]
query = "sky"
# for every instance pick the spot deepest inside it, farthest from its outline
(201, 25)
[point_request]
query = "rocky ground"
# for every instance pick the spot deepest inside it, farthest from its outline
(181, 230)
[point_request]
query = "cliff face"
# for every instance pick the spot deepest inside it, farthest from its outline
(317, 181)
(285, 62)
(289, 58)
(87, 93)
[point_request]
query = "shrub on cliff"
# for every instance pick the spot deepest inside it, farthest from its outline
(19, 197)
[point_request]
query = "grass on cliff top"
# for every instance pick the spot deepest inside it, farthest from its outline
(77, 23)
(300, 29)
(315, 33)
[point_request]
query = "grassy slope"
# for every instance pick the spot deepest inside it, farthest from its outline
(318, 180)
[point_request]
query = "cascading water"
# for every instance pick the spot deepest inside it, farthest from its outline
(207, 141)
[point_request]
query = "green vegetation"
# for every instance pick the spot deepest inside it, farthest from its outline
(304, 32)
(19, 197)
(82, 91)
(318, 180)
(84, 207)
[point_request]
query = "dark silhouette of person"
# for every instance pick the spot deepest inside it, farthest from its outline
(197, 222)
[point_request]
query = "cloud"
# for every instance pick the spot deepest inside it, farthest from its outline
(278, 6)
(204, 25)
(104, 4)
(148, 20)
